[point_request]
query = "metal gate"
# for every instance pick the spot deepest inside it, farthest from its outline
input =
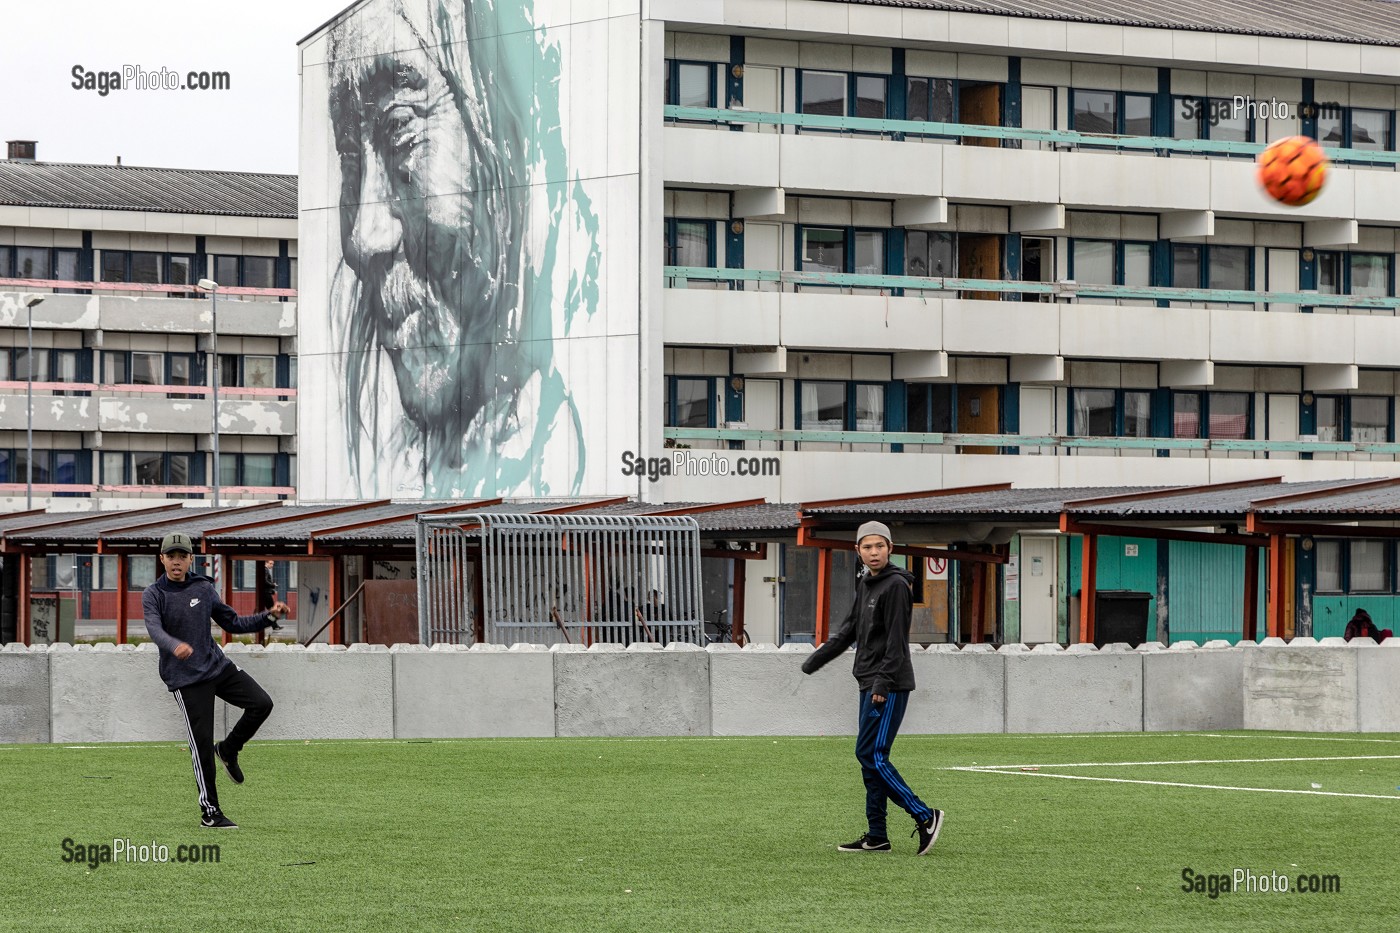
(550, 579)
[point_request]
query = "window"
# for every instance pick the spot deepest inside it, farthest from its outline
(1111, 413)
(690, 243)
(692, 405)
(179, 270)
(1137, 114)
(33, 262)
(690, 84)
(843, 249)
(1211, 118)
(148, 369)
(1109, 262)
(1094, 111)
(823, 249)
(872, 96)
(1218, 267)
(259, 372)
(930, 408)
(869, 406)
(113, 266)
(823, 92)
(1224, 415)
(150, 468)
(226, 271)
(1355, 274)
(259, 272)
(1355, 128)
(113, 469)
(930, 254)
(50, 466)
(823, 406)
(1355, 565)
(933, 100)
(1358, 418)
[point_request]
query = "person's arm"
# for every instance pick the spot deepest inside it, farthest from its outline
(235, 624)
(897, 606)
(150, 608)
(837, 643)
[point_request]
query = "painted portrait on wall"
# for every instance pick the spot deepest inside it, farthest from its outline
(448, 279)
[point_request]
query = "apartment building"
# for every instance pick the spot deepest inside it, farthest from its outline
(854, 247)
(113, 405)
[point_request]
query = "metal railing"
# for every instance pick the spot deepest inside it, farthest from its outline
(1055, 443)
(1066, 139)
(547, 579)
(677, 276)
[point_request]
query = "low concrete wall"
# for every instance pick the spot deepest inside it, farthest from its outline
(1307, 689)
(1074, 691)
(110, 694)
(638, 690)
(322, 692)
(762, 691)
(486, 691)
(1192, 689)
(24, 696)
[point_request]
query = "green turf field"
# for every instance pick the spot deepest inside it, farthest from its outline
(710, 834)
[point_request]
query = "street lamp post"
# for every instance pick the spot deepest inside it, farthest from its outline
(30, 304)
(212, 288)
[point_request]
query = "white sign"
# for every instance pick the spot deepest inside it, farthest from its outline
(935, 568)
(1013, 579)
(1130, 550)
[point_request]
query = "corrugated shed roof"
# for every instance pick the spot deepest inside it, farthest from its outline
(162, 190)
(1376, 501)
(1368, 22)
(1006, 502)
(1200, 502)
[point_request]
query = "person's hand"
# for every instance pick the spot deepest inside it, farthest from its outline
(183, 651)
(280, 608)
(876, 698)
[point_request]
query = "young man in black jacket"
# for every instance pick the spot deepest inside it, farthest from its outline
(178, 608)
(878, 624)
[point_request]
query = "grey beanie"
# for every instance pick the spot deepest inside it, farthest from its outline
(874, 528)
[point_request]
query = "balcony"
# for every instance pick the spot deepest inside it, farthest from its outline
(868, 158)
(142, 409)
(907, 313)
(118, 307)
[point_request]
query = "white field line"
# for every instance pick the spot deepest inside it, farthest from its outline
(1192, 761)
(1294, 738)
(1257, 790)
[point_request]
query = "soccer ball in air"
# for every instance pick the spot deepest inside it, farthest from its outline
(1293, 170)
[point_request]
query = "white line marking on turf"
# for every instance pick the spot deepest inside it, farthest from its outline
(1295, 738)
(1257, 790)
(1192, 761)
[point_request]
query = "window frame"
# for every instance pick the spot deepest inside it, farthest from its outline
(673, 73)
(672, 232)
(1345, 430)
(673, 398)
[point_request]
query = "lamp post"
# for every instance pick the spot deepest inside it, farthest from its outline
(30, 304)
(212, 287)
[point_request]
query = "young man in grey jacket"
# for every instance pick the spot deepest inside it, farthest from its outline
(878, 624)
(178, 608)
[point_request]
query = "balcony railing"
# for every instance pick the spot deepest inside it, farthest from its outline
(1058, 444)
(154, 290)
(678, 276)
(134, 489)
(1061, 139)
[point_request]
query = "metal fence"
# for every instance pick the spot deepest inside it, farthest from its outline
(550, 579)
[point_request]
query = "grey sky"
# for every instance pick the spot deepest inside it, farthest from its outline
(251, 127)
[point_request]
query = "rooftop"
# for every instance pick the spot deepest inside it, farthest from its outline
(161, 190)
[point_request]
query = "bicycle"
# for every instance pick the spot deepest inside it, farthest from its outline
(724, 630)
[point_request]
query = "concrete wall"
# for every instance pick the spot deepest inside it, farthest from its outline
(111, 694)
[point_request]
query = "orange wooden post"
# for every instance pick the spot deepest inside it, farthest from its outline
(121, 599)
(819, 631)
(26, 631)
(1088, 587)
(1251, 593)
(740, 576)
(337, 635)
(226, 583)
(1276, 602)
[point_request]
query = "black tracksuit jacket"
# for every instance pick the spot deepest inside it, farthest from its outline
(181, 612)
(878, 624)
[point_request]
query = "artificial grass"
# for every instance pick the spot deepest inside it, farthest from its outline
(700, 834)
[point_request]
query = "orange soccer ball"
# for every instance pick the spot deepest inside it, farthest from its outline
(1293, 170)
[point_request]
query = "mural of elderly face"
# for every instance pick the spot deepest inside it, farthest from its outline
(436, 149)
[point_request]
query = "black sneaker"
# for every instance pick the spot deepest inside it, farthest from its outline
(928, 831)
(866, 843)
(229, 762)
(217, 820)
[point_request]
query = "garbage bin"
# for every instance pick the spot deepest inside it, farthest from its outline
(1120, 616)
